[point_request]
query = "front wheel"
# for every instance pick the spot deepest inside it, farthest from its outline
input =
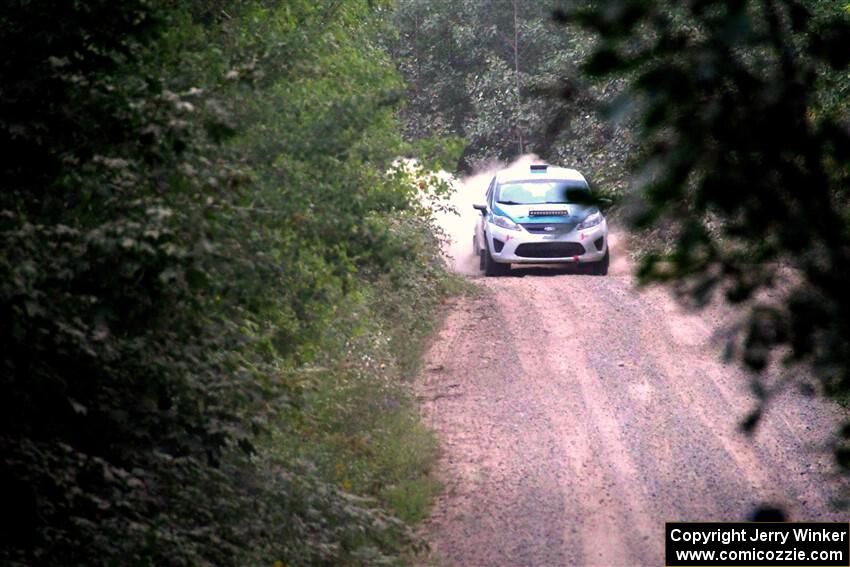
(600, 268)
(491, 267)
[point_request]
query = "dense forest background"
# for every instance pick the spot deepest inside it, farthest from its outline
(506, 77)
(216, 275)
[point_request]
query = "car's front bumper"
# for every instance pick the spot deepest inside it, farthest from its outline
(523, 247)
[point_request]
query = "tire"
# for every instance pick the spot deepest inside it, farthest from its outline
(477, 251)
(491, 267)
(600, 268)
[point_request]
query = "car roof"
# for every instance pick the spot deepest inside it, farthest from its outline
(527, 174)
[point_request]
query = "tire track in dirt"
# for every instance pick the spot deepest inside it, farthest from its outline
(579, 410)
(697, 463)
(493, 462)
(717, 396)
(577, 415)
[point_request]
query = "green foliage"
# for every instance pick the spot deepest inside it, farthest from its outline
(194, 192)
(480, 81)
(500, 83)
(744, 146)
(363, 429)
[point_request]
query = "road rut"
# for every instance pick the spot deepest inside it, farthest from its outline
(576, 415)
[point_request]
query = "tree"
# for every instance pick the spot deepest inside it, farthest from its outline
(192, 191)
(743, 160)
(496, 81)
(478, 83)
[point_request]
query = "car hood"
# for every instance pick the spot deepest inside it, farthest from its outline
(545, 213)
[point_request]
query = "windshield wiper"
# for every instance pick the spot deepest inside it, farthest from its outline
(509, 203)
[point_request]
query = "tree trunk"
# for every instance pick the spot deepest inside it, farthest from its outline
(516, 79)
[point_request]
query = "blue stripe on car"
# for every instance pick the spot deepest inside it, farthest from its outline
(500, 212)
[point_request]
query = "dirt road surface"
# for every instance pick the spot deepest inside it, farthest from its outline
(576, 415)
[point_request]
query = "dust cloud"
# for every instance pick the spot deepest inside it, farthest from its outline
(620, 260)
(459, 224)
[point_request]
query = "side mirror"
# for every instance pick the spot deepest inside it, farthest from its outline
(482, 208)
(603, 203)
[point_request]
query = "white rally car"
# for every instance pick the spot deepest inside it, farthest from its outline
(543, 214)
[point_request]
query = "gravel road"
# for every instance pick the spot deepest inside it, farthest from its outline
(576, 415)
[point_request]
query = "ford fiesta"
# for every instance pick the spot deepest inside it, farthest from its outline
(544, 214)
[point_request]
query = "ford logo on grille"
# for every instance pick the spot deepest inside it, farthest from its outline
(549, 228)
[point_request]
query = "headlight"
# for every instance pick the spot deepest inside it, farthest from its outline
(504, 222)
(592, 219)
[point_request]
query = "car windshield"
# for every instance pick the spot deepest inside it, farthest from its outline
(542, 191)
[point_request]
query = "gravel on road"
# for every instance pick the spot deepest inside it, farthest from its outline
(576, 415)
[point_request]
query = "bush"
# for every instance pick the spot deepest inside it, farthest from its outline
(193, 192)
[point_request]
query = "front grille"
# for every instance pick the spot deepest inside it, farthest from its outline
(549, 250)
(548, 228)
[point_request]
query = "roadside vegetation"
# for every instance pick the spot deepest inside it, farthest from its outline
(215, 283)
